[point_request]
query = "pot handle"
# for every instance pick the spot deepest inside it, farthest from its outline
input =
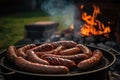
(6, 73)
(114, 51)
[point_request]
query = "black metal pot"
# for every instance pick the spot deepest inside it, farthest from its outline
(99, 72)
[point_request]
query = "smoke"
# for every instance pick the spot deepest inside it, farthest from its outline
(60, 10)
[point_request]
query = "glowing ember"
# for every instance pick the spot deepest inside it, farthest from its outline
(92, 26)
(72, 27)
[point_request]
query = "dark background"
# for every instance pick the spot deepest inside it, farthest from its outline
(28, 5)
(109, 8)
(13, 6)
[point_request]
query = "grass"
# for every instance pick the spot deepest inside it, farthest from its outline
(12, 26)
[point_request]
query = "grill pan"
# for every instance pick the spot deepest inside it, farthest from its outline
(99, 72)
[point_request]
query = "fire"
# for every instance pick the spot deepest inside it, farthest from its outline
(92, 26)
(72, 27)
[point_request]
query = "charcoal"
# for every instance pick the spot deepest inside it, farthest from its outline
(110, 43)
(78, 38)
(68, 36)
(101, 45)
(92, 44)
(80, 42)
(37, 41)
(90, 39)
(48, 40)
(113, 44)
(55, 38)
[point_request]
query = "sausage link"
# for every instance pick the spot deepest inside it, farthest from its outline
(66, 44)
(53, 45)
(39, 54)
(12, 53)
(43, 47)
(76, 58)
(21, 53)
(70, 51)
(28, 46)
(31, 56)
(59, 61)
(92, 61)
(54, 51)
(85, 49)
(23, 64)
(22, 50)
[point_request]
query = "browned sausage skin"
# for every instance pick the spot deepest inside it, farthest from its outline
(40, 68)
(66, 44)
(70, 51)
(59, 61)
(28, 46)
(43, 47)
(12, 53)
(54, 51)
(22, 50)
(21, 53)
(54, 45)
(76, 58)
(31, 56)
(85, 49)
(92, 61)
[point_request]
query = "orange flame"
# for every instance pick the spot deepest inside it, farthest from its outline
(93, 26)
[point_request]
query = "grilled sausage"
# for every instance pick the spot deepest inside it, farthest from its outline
(21, 53)
(23, 64)
(66, 44)
(71, 51)
(76, 58)
(12, 53)
(31, 56)
(54, 51)
(85, 49)
(59, 61)
(53, 45)
(28, 46)
(43, 47)
(22, 50)
(92, 61)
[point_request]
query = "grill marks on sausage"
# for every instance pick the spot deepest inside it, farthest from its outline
(76, 58)
(85, 49)
(59, 61)
(54, 45)
(92, 61)
(54, 58)
(70, 51)
(39, 68)
(66, 44)
(22, 50)
(31, 56)
(54, 51)
(12, 53)
(43, 47)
